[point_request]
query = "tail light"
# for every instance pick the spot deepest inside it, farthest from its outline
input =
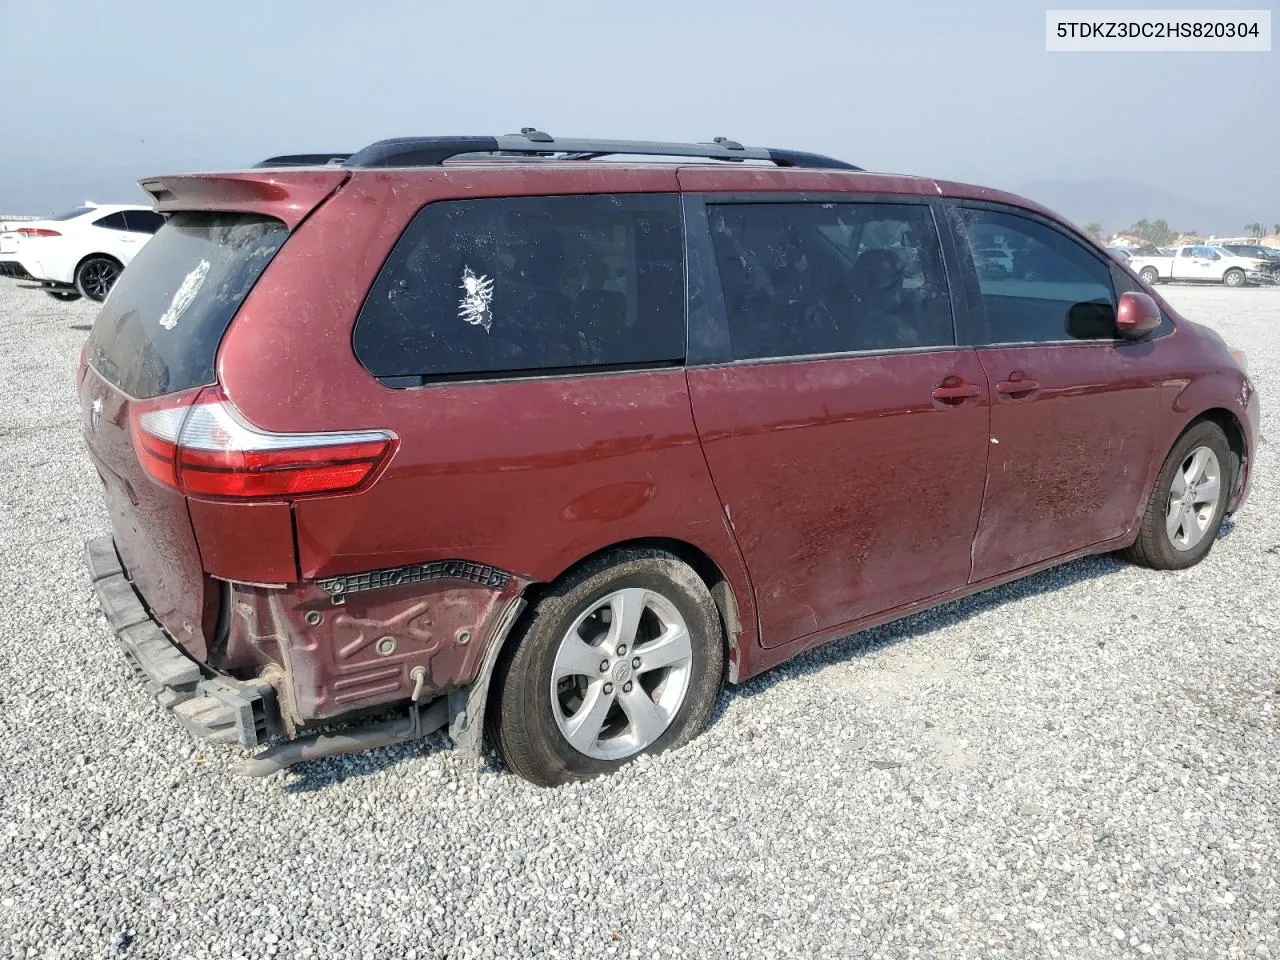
(197, 442)
(36, 232)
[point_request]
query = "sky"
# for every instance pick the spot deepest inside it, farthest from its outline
(97, 95)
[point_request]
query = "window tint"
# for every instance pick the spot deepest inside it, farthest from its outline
(1188, 251)
(159, 330)
(112, 221)
(529, 283)
(815, 278)
(1039, 284)
(143, 221)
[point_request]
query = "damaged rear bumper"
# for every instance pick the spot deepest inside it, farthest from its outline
(213, 706)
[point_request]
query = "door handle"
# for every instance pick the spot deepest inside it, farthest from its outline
(1017, 388)
(955, 393)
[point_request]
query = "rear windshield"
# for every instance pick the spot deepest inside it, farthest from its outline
(72, 214)
(159, 330)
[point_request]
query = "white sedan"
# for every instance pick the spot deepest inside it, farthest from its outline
(79, 253)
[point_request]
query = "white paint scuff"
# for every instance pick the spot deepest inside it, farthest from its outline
(475, 307)
(185, 295)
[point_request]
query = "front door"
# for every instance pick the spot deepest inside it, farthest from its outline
(845, 431)
(1074, 409)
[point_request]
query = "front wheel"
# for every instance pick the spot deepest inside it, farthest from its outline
(623, 657)
(1233, 278)
(96, 276)
(1186, 507)
(1149, 276)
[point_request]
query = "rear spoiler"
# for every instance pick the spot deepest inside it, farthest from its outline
(288, 196)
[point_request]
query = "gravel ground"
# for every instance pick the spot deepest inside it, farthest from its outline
(1083, 764)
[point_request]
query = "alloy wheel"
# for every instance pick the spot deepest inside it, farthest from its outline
(1193, 498)
(621, 673)
(97, 277)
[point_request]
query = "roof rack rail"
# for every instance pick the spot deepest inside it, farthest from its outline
(304, 160)
(433, 151)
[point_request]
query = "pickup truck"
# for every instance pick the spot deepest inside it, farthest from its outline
(1205, 264)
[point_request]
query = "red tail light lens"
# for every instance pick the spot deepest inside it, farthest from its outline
(32, 232)
(198, 443)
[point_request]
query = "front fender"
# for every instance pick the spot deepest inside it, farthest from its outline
(1227, 389)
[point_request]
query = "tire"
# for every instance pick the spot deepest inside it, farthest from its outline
(96, 275)
(533, 712)
(1150, 276)
(1162, 546)
(1233, 277)
(64, 295)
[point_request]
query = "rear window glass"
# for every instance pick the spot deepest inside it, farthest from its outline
(526, 284)
(72, 214)
(159, 330)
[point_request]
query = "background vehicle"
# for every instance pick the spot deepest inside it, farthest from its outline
(498, 469)
(1120, 253)
(1252, 251)
(79, 253)
(1205, 264)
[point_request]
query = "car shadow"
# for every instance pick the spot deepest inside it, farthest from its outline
(86, 327)
(316, 775)
(871, 641)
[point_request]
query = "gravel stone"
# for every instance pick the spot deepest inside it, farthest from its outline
(1082, 764)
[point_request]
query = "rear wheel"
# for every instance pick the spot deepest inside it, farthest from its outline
(1149, 276)
(1187, 505)
(64, 295)
(96, 276)
(1233, 277)
(624, 657)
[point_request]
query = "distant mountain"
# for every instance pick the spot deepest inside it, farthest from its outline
(1117, 204)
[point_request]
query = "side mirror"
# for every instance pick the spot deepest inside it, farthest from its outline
(1136, 315)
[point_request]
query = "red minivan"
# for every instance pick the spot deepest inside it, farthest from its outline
(489, 434)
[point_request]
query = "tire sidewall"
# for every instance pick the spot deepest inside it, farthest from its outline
(1237, 282)
(1203, 434)
(525, 703)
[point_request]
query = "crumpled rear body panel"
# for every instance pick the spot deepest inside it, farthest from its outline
(329, 659)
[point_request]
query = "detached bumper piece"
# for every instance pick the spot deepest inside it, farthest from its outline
(214, 707)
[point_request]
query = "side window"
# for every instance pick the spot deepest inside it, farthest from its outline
(817, 278)
(1037, 283)
(526, 284)
(112, 221)
(143, 221)
(1188, 252)
(1211, 254)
